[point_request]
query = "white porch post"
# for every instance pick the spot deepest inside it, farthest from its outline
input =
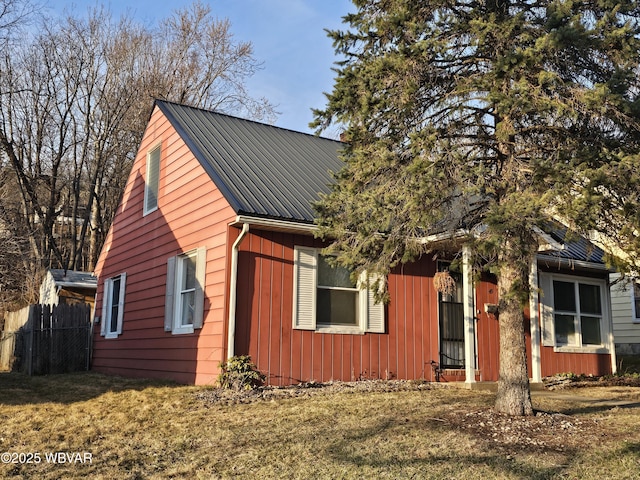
(469, 316)
(534, 319)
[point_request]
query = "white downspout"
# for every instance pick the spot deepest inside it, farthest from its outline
(611, 342)
(469, 316)
(233, 287)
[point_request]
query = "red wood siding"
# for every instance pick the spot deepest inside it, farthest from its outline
(264, 324)
(579, 363)
(191, 213)
(488, 331)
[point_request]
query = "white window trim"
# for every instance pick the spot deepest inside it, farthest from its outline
(634, 314)
(371, 315)
(173, 307)
(107, 304)
(547, 313)
(178, 327)
(146, 208)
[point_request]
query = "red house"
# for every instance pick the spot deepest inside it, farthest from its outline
(212, 254)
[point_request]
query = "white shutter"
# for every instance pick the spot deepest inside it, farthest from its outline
(106, 292)
(170, 294)
(123, 281)
(373, 312)
(305, 262)
(546, 311)
(201, 264)
(375, 320)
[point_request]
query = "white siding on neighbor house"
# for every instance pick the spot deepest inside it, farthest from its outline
(48, 290)
(625, 329)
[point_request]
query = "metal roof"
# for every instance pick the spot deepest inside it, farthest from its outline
(276, 173)
(73, 278)
(574, 248)
(260, 169)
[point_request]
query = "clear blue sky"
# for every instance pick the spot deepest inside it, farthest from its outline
(287, 35)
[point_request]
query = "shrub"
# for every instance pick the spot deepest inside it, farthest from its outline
(240, 373)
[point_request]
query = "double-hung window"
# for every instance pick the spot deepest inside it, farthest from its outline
(184, 302)
(327, 300)
(113, 306)
(152, 181)
(575, 313)
(337, 296)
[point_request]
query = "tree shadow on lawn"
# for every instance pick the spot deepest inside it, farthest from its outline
(599, 408)
(438, 460)
(21, 389)
(632, 448)
(573, 403)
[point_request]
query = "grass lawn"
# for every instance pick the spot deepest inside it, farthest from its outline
(131, 429)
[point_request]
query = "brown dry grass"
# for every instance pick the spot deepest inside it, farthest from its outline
(141, 429)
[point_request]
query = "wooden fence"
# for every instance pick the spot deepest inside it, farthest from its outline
(13, 321)
(52, 340)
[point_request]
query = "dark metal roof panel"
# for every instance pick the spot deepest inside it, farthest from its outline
(73, 277)
(260, 169)
(576, 248)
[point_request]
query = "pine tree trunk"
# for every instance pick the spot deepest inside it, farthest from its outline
(514, 395)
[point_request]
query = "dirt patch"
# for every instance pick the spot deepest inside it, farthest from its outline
(544, 432)
(559, 382)
(310, 389)
(230, 397)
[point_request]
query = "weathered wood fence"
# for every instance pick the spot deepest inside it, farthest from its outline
(53, 339)
(13, 321)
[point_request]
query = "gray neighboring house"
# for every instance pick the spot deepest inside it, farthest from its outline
(625, 313)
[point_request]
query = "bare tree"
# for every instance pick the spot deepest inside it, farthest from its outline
(74, 100)
(202, 65)
(13, 15)
(19, 277)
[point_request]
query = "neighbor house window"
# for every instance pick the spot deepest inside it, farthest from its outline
(152, 180)
(185, 291)
(574, 312)
(326, 298)
(113, 306)
(636, 301)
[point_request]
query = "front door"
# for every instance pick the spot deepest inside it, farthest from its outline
(451, 319)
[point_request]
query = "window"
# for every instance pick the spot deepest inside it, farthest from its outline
(113, 306)
(337, 301)
(574, 313)
(327, 300)
(185, 292)
(636, 301)
(152, 181)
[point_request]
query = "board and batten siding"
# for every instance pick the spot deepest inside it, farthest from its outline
(487, 337)
(264, 322)
(191, 213)
(581, 363)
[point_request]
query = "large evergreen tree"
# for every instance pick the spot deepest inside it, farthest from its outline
(488, 117)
